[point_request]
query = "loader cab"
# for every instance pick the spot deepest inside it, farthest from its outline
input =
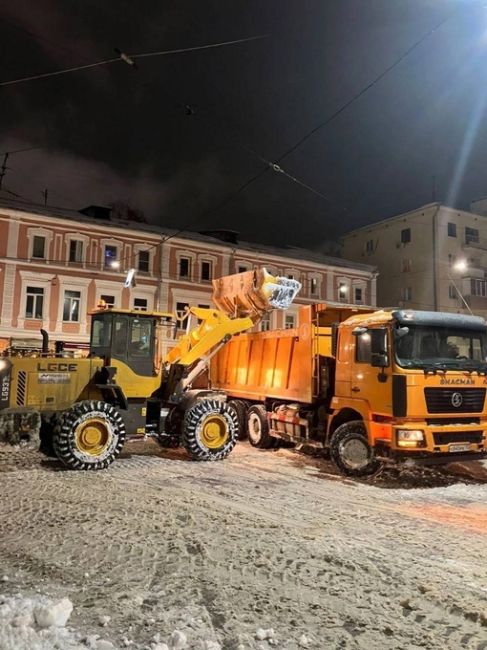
(127, 336)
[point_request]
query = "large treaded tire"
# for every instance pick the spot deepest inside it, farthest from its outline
(197, 430)
(351, 451)
(258, 428)
(66, 441)
(240, 408)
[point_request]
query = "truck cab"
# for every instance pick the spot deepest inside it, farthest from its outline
(416, 380)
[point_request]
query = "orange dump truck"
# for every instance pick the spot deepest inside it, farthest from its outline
(370, 386)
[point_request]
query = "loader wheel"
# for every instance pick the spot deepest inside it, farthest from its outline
(351, 451)
(89, 435)
(210, 430)
(258, 428)
(240, 408)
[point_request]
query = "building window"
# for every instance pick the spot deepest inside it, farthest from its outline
(406, 236)
(265, 323)
(452, 229)
(289, 322)
(108, 300)
(75, 250)
(71, 306)
(369, 246)
(405, 265)
(181, 310)
(290, 276)
(206, 271)
(34, 303)
(342, 291)
(140, 304)
(452, 292)
(184, 267)
(144, 261)
(242, 269)
(477, 287)
(39, 247)
(313, 287)
(406, 293)
(110, 256)
(471, 235)
(359, 295)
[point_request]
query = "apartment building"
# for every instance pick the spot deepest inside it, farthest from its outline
(56, 265)
(433, 258)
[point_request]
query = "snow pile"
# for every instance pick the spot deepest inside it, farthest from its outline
(38, 623)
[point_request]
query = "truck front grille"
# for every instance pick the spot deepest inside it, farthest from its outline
(454, 400)
(445, 437)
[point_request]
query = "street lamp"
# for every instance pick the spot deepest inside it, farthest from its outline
(460, 265)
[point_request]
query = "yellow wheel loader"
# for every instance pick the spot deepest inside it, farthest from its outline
(82, 410)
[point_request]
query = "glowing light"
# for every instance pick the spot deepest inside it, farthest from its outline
(461, 265)
(115, 264)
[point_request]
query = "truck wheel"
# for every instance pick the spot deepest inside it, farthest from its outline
(210, 430)
(351, 451)
(240, 408)
(89, 435)
(258, 428)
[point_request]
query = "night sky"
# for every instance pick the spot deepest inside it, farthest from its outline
(178, 136)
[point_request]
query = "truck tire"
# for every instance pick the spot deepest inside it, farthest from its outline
(258, 428)
(89, 435)
(351, 451)
(209, 430)
(240, 408)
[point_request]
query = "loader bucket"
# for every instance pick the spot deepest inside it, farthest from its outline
(253, 293)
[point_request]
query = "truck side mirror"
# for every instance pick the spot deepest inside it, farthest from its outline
(379, 357)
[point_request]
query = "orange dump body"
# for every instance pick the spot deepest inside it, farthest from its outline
(279, 364)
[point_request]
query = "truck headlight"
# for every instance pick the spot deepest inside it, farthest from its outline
(410, 438)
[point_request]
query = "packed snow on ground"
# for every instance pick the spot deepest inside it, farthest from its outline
(264, 550)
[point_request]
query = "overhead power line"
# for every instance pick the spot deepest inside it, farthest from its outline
(123, 58)
(275, 166)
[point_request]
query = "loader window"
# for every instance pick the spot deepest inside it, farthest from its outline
(141, 338)
(120, 331)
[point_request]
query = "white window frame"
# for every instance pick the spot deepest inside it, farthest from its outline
(73, 283)
(63, 299)
(318, 279)
(138, 248)
(35, 296)
(358, 284)
(41, 281)
(345, 295)
(119, 246)
(108, 288)
(180, 254)
(143, 295)
(48, 236)
(75, 236)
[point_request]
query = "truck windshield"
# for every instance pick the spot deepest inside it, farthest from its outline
(442, 348)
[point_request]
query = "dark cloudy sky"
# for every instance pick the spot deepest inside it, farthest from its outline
(112, 133)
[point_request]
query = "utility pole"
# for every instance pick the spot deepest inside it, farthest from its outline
(3, 169)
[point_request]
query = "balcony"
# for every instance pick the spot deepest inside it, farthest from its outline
(473, 243)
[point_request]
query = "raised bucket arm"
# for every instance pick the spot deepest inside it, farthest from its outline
(242, 300)
(253, 293)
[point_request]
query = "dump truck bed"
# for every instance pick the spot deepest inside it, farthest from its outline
(279, 364)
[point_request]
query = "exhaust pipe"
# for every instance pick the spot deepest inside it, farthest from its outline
(45, 342)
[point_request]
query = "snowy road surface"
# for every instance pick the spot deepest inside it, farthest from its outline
(223, 552)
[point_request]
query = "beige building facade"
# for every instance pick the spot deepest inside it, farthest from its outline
(56, 265)
(432, 258)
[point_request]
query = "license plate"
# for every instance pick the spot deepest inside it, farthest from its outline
(459, 446)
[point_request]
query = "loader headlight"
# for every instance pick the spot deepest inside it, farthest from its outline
(3, 364)
(410, 438)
